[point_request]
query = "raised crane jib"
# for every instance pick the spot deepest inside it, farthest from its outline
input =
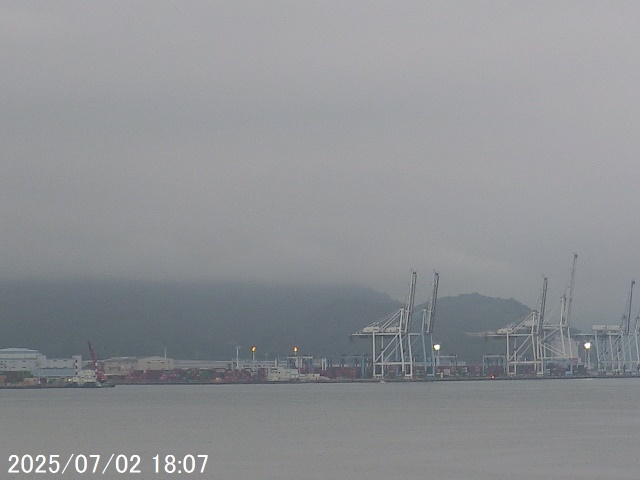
(432, 305)
(543, 302)
(627, 322)
(408, 308)
(572, 281)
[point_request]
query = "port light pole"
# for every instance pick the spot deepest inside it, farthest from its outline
(253, 359)
(295, 352)
(436, 349)
(587, 347)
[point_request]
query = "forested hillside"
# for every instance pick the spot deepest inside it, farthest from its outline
(207, 320)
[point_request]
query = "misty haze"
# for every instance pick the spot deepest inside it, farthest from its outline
(312, 240)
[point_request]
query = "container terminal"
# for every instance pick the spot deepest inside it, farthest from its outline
(401, 348)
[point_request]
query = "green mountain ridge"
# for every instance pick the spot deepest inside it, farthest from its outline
(473, 313)
(207, 320)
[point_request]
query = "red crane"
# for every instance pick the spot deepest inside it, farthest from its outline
(100, 376)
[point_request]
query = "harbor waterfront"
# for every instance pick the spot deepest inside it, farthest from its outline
(404, 430)
(32, 386)
(539, 344)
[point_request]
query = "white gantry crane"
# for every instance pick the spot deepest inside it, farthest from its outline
(617, 345)
(541, 339)
(428, 320)
(392, 340)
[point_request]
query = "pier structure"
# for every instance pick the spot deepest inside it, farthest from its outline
(541, 339)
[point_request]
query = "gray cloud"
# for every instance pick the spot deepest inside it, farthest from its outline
(345, 141)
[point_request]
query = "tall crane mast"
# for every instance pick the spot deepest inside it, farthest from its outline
(428, 318)
(406, 356)
(540, 349)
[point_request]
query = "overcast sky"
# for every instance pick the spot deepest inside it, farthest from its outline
(326, 141)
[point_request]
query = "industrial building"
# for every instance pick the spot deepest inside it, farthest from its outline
(28, 363)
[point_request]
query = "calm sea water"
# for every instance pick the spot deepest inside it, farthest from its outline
(546, 429)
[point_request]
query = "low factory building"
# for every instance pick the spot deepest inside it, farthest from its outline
(282, 374)
(155, 364)
(120, 366)
(123, 366)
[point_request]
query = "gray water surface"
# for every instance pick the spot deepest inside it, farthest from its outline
(544, 429)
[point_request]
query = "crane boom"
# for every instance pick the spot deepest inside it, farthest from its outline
(100, 376)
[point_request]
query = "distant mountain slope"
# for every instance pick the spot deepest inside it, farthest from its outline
(204, 320)
(473, 313)
(199, 320)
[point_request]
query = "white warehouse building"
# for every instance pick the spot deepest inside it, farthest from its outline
(27, 360)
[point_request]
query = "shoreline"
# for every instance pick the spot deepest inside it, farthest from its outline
(334, 381)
